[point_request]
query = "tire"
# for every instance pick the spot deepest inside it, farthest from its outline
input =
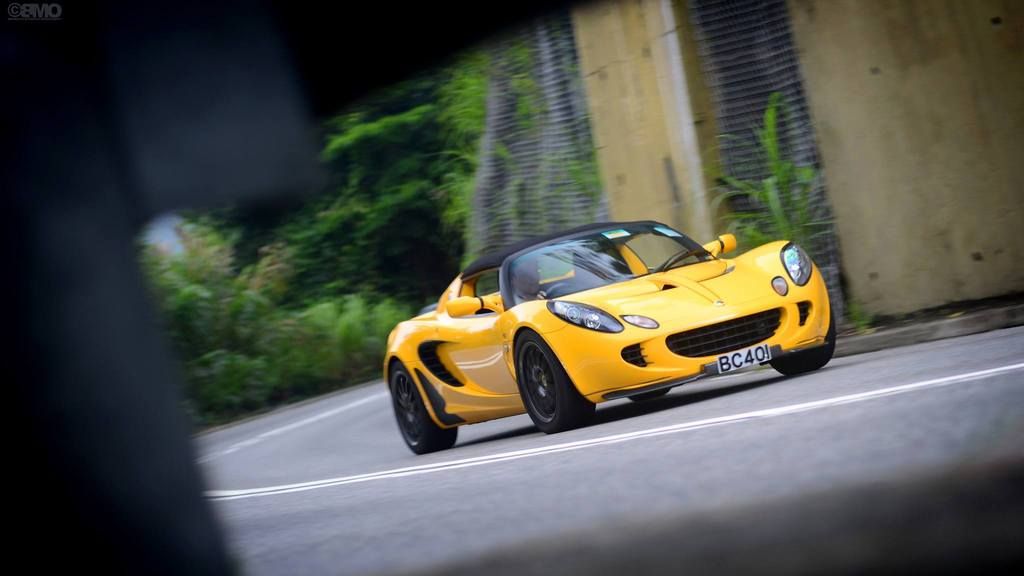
(548, 394)
(419, 431)
(809, 360)
(650, 395)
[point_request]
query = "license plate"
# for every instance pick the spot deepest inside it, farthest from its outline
(743, 358)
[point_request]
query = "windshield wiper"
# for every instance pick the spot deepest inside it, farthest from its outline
(677, 257)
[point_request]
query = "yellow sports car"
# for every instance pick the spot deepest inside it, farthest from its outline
(553, 325)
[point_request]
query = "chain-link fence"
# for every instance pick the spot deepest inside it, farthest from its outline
(537, 170)
(747, 53)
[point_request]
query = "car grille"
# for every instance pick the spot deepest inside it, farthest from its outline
(805, 309)
(725, 336)
(634, 355)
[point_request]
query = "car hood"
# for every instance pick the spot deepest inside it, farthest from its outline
(680, 293)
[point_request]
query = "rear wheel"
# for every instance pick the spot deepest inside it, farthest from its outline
(418, 429)
(548, 394)
(809, 360)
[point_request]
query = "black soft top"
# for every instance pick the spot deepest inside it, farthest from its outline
(495, 258)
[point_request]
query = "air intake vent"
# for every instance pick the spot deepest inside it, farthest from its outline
(634, 355)
(432, 362)
(725, 336)
(805, 310)
(668, 287)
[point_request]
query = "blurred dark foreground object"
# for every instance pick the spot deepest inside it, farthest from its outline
(114, 113)
(120, 111)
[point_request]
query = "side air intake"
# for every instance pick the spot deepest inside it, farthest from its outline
(433, 363)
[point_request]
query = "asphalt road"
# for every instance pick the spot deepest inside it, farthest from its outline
(328, 487)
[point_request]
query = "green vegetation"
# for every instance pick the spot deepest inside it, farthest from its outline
(275, 303)
(781, 201)
(782, 197)
(242, 349)
(272, 303)
(538, 168)
(859, 318)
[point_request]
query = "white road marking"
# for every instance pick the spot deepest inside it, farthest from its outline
(298, 424)
(259, 438)
(605, 440)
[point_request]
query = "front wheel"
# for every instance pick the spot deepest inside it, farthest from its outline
(809, 360)
(548, 394)
(418, 430)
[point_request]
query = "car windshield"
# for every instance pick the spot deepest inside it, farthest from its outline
(598, 259)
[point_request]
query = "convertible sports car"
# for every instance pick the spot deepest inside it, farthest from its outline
(553, 325)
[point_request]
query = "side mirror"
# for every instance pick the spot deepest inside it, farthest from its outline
(724, 244)
(494, 302)
(463, 306)
(470, 305)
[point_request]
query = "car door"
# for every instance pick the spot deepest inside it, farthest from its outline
(474, 344)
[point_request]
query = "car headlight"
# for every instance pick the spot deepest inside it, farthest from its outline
(584, 316)
(797, 264)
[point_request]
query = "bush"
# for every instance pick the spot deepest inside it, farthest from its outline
(270, 303)
(782, 199)
(243, 350)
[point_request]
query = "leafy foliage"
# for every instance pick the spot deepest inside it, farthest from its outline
(782, 199)
(393, 219)
(242, 349)
(278, 302)
(538, 171)
(462, 112)
(859, 318)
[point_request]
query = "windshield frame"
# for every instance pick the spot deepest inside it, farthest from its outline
(684, 241)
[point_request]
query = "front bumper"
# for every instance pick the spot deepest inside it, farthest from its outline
(596, 365)
(709, 369)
